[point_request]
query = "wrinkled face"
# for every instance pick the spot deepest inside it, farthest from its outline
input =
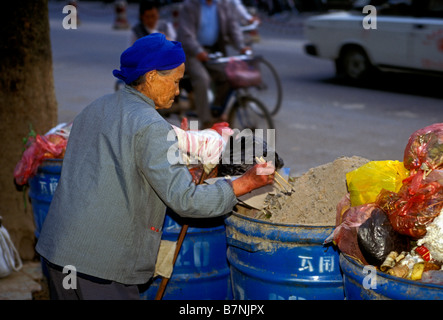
(163, 86)
(149, 18)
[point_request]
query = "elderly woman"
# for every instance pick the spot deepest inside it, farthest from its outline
(107, 213)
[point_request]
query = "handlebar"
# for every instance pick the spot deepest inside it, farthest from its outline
(250, 27)
(218, 57)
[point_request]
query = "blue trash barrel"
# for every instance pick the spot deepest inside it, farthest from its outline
(362, 284)
(41, 190)
(272, 261)
(201, 271)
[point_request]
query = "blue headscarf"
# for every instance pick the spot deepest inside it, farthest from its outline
(152, 52)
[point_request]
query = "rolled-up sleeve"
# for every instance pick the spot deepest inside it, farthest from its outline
(172, 181)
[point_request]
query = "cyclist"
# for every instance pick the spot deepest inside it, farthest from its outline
(243, 13)
(207, 26)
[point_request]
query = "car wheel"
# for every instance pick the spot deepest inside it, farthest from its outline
(354, 64)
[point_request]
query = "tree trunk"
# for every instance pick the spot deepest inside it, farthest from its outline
(27, 97)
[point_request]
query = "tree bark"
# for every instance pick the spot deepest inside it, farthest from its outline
(27, 97)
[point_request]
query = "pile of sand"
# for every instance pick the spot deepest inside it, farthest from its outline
(317, 193)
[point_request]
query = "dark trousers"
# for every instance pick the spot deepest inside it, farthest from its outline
(203, 77)
(87, 287)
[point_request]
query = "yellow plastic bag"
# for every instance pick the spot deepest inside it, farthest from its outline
(365, 183)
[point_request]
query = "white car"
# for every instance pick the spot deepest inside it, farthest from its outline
(401, 37)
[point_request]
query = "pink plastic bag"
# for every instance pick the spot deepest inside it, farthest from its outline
(242, 74)
(345, 234)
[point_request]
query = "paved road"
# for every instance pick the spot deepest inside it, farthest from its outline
(321, 118)
(324, 118)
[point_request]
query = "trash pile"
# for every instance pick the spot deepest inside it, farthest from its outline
(312, 200)
(316, 193)
(391, 217)
(38, 148)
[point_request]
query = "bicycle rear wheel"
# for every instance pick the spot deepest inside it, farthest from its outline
(270, 90)
(249, 113)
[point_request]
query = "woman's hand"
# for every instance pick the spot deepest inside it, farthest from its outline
(256, 177)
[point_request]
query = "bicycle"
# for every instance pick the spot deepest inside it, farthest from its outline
(269, 91)
(241, 109)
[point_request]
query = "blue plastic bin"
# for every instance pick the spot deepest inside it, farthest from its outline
(201, 271)
(41, 190)
(271, 261)
(362, 285)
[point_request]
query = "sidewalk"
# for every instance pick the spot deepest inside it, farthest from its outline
(83, 60)
(26, 284)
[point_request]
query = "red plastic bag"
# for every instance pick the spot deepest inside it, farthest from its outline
(423, 154)
(38, 149)
(420, 198)
(424, 150)
(408, 213)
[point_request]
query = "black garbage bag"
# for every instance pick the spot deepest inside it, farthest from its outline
(240, 152)
(377, 238)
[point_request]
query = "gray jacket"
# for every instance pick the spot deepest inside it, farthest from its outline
(189, 20)
(107, 213)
